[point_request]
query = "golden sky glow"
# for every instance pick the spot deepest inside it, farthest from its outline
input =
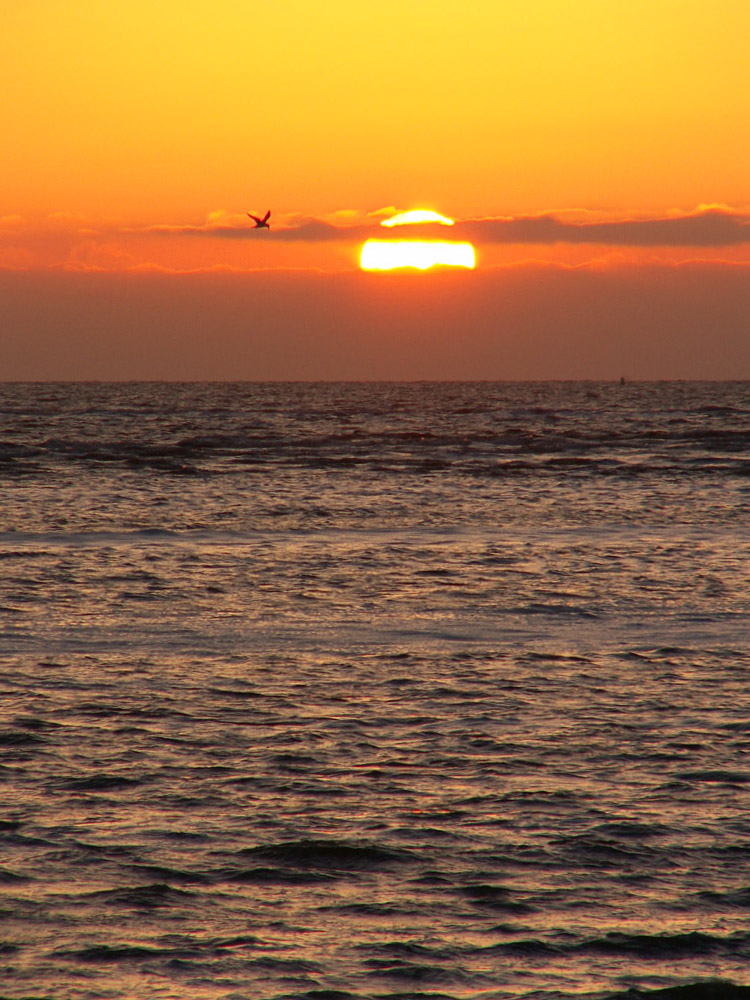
(165, 111)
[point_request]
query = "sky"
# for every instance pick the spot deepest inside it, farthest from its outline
(588, 149)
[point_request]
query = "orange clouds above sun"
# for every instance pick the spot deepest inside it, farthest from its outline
(334, 242)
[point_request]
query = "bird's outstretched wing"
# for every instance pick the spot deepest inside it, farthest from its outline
(253, 217)
(267, 216)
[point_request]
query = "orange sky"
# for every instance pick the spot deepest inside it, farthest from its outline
(149, 112)
(137, 134)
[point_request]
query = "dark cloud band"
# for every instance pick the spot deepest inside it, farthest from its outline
(705, 229)
(709, 228)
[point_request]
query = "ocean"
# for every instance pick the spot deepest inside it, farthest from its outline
(375, 690)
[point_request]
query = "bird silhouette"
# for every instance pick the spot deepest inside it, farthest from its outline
(260, 223)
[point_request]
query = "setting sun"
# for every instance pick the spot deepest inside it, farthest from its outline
(417, 215)
(385, 255)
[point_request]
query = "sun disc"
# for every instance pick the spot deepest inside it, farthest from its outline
(417, 215)
(386, 255)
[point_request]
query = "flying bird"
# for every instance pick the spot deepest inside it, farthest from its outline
(261, 223)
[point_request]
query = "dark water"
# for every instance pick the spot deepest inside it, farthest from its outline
(375, 691)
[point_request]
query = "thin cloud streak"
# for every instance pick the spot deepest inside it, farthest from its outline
(711, 227)
(708, 228)
(307, 231)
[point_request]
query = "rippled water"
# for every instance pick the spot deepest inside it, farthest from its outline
(367, 691)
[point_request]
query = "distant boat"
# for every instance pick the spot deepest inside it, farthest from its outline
(261, 223)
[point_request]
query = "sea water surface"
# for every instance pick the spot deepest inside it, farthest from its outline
(375, 691)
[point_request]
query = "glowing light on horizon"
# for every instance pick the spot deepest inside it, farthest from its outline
(417, 215)
(386, 255)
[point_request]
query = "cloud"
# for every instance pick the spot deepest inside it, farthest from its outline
(95, 256)
(708, 226)
(331, 241)
(296, 229)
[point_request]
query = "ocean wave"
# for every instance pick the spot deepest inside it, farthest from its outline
(664, 946)
(142, 897)
(710, 989)
(330, 855)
